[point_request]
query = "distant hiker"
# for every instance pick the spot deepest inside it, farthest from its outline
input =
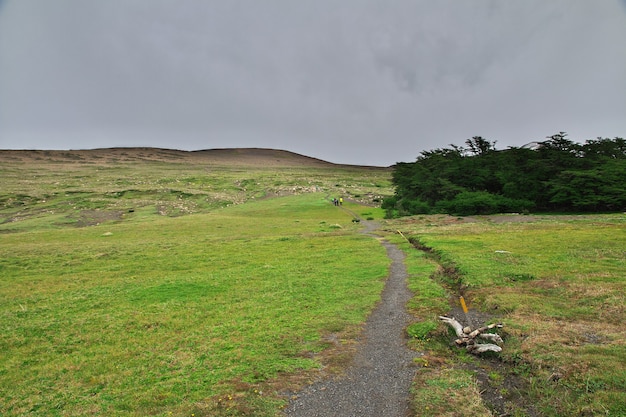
(341, 201)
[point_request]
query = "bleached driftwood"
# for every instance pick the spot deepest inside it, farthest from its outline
(456, 326)
(467, 336)
(494, 338)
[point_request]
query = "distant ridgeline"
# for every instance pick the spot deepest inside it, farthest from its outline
(556, 175)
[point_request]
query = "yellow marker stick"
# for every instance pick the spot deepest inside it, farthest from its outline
(463, 304)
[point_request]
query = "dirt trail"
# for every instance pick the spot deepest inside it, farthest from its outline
(377, 382)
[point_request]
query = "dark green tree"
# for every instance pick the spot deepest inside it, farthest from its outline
(557, 174)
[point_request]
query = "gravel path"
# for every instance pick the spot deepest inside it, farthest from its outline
(377, 382)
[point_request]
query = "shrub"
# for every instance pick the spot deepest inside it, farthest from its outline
(470, 202)
(404, 207)
(481, 202)
(389, 202)
(414, 206)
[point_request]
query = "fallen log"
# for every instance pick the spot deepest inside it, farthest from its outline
(467, 336)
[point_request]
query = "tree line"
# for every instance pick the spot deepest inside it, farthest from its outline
(555, 175)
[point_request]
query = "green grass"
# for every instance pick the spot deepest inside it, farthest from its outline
(448, 392)
(150, 288)
(558, 284)
(53, 194)
(158, 315)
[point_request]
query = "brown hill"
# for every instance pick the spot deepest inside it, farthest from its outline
(258, 156)
(229, 156)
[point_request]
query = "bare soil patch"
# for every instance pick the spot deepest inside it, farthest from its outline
(94, 217)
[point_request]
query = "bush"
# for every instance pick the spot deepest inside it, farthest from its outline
(395, 207)
(414, 207)
(481, 202)
(389, 203)
(511, 205)
(470, 202)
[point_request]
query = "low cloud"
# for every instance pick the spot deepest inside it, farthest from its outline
(364, 82)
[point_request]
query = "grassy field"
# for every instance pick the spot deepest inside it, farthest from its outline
(82, 188)
(556, 282)
(137, 282)
(147, 288)
(170, 315)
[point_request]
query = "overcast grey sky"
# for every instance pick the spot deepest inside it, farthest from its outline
(354, 81)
